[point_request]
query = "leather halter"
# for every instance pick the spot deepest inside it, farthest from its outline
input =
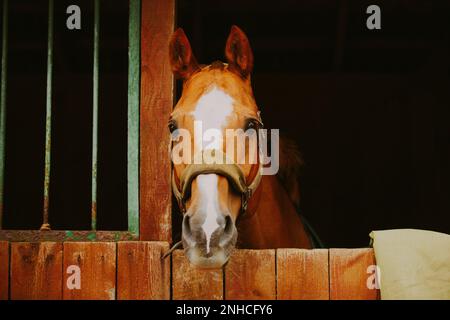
(227, 169)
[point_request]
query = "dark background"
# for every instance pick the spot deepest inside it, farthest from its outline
(369, 109)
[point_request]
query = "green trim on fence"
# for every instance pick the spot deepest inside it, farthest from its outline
(3, 104)
(48, 119)
(95, 117)
(134, 35)
(65, 235)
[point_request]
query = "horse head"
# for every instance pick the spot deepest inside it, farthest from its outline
(217, 100)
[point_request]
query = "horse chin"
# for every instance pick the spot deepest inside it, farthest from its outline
(215, 261)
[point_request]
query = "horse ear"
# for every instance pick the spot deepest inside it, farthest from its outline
(181, 57)
(239, 53)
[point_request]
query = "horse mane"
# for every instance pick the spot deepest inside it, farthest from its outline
(291, 163)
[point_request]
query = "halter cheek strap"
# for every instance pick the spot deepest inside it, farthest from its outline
(231, 171)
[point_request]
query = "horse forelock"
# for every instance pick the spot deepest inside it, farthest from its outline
(217, 65)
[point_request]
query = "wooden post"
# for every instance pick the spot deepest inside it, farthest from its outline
(157, 23)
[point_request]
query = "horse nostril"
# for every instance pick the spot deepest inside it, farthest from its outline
(228, 225)
(229, 234)
(186, 224)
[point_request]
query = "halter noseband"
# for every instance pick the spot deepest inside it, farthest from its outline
(231, 171)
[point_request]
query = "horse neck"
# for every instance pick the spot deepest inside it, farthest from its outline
(272, 220)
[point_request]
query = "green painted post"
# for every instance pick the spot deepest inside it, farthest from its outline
(95, 117)
(134, 36)
(3, 105)
(48, 119)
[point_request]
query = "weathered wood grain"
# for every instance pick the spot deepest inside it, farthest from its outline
(4, 270)
(250, 275)
(302, 274)
(348, 274)
(191, 283)
(156, 105)
(141, 272)
(36, 271)
(97, 263)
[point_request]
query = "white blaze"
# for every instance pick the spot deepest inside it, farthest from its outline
(212, 110)
(209, 199)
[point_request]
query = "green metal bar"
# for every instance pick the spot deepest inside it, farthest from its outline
(95, 117)
(48, 118)
(134, 36)
(3, 104)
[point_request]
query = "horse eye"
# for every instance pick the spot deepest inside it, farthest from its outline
(172, 126)
(251, 124)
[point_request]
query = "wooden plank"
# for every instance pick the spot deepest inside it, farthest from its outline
(156, 105)
(191, 283)
(302, 274)
(141, 273)
(4, 270)
(36, 271)
(250, 275)
(348, 274)
(97, 266)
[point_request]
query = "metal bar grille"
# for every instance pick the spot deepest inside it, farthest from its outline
(95, 117)
(48, 119)
(3, 104)
(133, 115)
(134, 45)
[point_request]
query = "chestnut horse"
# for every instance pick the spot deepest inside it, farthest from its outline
(215, 219)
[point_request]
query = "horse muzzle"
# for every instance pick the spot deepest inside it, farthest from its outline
(211, 247)
(208, 250)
